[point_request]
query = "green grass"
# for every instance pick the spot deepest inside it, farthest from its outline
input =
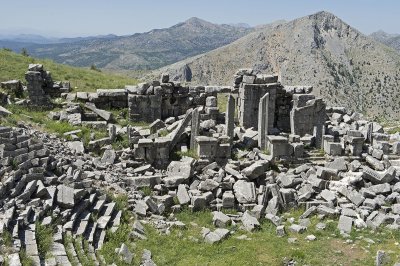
(185, 246)
(188, 153)
(44, 239)
(39, 118)
(14, 66)
(66, 241)
(146, 191)
(25, 259)
(6, 239)
(115, 240)
(121, 203)
(82, 255)
(222, 101)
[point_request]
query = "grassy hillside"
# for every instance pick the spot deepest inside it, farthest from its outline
(14, 66)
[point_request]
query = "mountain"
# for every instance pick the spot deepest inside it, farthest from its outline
(344, 66)
(149, 50)
(27, 38)
(392, 40)
(32, 42)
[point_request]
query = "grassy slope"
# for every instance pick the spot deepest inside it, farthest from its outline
(263, 247)
(14, 66)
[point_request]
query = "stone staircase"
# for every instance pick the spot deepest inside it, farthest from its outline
(31, 193)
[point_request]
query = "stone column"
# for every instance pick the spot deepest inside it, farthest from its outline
(195, 128)
(112, 132)
(263, 121)
(35, 84)
(230, 117)
(370, 130)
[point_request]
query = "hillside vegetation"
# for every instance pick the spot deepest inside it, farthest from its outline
(14, 66)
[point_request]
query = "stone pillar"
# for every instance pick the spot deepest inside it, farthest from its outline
(230, 117)
(212, 107)
(370, 130)
(112, 132)
(195, 128)
(319, 131)
(35, 84)
(263, 121)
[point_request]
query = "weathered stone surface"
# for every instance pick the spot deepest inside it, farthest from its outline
(245, 192)
(256, 169)
(182, 195)
(345, 224)
(379, 177)
(76, 146)
(107, 116)
(125, 254)
(221, 220)
(65, 196)
(250, 223)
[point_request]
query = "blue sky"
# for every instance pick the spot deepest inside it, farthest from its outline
(70, 18)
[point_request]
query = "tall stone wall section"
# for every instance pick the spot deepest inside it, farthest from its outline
(162, 99)
(40, 86)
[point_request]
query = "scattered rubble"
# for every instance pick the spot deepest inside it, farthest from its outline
(287, 150)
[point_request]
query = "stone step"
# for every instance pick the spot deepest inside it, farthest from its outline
(99, 238)
(81, 254)
(14, 260)
(28, 239)
(98, 206)
(108, 209)
(71, 252)
(92, 255)
(59, 252)
(82, 227)
(90, 233)
(115, 221)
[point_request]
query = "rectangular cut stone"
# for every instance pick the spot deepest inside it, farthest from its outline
(263, 121)
(230, 117)
(195, 128)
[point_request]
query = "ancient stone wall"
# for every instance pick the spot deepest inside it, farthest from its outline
(40, 86)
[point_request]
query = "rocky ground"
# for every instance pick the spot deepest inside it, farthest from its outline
(44, 182)
(67, 198)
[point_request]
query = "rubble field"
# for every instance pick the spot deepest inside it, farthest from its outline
(157, 173)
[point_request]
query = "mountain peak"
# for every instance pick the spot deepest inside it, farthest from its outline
(323, 14)
(196, 21)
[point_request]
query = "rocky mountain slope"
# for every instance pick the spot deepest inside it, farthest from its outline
(150, 50)
(392, 40)
(344, 66)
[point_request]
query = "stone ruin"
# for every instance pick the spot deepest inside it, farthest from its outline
(274, 148)
(40, 86)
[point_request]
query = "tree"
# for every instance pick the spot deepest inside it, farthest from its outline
(93, 67)
(24, 52)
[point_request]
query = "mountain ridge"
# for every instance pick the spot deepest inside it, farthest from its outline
(343, 65)
(148, 50)
(391, 40)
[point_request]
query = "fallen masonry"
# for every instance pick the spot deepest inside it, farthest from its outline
(283, 149)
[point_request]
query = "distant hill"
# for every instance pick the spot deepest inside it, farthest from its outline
(14, 66)
(392, 40)
(345, 67)
(149, 50)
